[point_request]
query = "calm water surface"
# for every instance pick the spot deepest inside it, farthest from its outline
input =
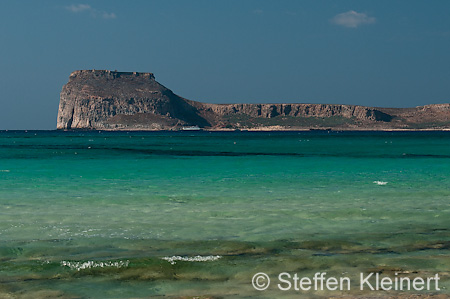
(107, 214)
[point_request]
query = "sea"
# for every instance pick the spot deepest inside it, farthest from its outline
(95, 214)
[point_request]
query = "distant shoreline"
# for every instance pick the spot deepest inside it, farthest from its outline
(231, 130)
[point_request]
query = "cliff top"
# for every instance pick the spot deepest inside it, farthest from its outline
(96, 74)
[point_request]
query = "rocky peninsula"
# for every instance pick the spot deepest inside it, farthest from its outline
(111, 100)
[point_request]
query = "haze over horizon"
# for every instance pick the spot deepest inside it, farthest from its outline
(370, 53)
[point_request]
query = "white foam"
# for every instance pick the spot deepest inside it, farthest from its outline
(381, 183)
(91, 264)
(174, 259)
(4, 170)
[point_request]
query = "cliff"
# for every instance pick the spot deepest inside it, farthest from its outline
(107, 100)
(119, 100)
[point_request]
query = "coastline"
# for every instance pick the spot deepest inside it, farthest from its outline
(262, 129)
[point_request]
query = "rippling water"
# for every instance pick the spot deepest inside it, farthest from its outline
(142, 214)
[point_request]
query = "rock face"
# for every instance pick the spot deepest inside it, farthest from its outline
(107, 100)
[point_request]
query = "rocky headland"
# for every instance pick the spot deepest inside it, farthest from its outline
(111, 100)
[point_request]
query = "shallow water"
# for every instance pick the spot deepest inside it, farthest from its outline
(94, 214)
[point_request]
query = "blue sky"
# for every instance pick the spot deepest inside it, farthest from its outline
(374, 53)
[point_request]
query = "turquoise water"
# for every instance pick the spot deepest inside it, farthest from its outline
(100, 214)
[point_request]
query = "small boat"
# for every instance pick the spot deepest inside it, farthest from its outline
(192, 128)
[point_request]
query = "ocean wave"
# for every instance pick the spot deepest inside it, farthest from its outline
(91, 264)
(176, 258)
(381, 183)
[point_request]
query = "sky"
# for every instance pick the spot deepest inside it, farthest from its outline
(381, 53)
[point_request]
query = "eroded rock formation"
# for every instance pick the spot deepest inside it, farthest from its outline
(107, 100)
